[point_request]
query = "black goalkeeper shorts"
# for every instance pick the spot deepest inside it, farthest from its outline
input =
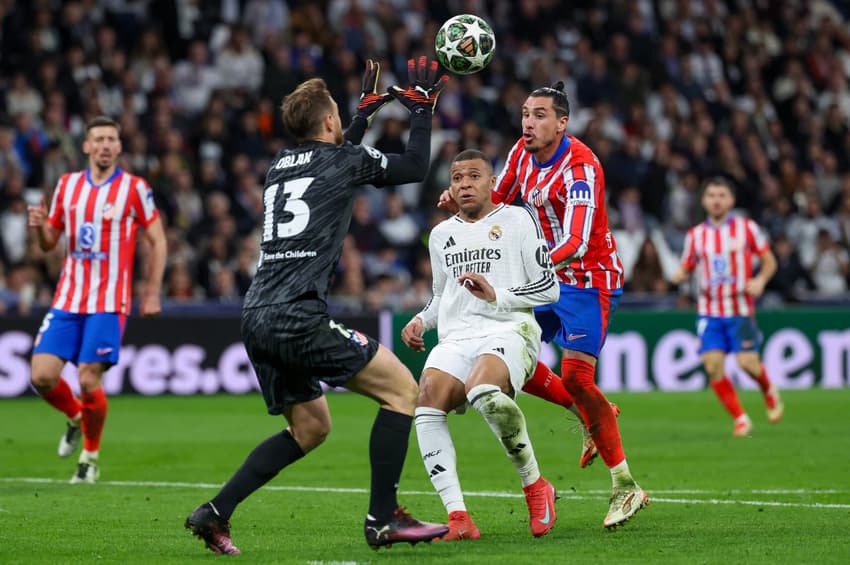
(293, 348)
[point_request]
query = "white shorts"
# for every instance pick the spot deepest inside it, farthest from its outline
(456, 357)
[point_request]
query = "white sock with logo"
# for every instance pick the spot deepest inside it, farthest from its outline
(438, 454)
(507, 421)
(621, 476)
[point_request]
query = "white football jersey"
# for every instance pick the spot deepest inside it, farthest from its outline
(508, 249)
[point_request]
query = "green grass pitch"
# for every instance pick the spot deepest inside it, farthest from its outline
(781, 496)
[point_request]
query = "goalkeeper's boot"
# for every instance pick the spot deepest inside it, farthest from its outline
(743, 426)
(626, 501)
(775, 407)
(70, 440)
(401, 527)
(87, 470)
(206, 524)
(588, 446)
(540, 498)
(461, 527)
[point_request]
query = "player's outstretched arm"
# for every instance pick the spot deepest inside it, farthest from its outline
(154, 234)
(370, 103)
(419, 97)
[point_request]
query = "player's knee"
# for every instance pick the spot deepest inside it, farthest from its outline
(749, 362)
(713, 367)
(42, 380)
(309, 437)
(90, 375)
(428, 393)
(483, 395)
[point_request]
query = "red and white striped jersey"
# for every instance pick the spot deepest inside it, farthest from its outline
(568, 193)
(100, 224)
(723, 258)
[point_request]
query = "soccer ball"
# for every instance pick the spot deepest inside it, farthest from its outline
(465, 44)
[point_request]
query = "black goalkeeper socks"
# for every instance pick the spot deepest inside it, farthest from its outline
(387, 450)
(261, 466)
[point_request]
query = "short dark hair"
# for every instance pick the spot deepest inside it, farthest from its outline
(472, 154)
(304, 109)
(558, 96)
(719, 180)
(102, 121)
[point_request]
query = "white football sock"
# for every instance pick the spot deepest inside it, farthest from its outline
(438, 454)
(507, 421)
(621, 476)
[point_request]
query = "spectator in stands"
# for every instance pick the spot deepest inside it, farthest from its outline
(842, 214)
(363, 229)
(804, 226)
(666, 92)
(195, 79)
(21, 98)
(832, 265)
(647, 276)
(239, 63)
(13, 230)
(398, 227)
(791, 279)
(179, 283)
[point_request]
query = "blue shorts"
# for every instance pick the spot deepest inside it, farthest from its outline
(579, 319)
(81, 338)
(730, 335)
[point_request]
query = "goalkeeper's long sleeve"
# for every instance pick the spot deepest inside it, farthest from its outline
(412, 165)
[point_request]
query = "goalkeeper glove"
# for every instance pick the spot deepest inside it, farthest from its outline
(421, 95)
(370, 100)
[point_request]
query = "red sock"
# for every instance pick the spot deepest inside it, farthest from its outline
(94, 414)
(62, 398)
(595, 409)
(546, 385)
(762, 380)
(728, 397)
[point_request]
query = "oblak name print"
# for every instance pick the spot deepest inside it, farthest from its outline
(294, 160)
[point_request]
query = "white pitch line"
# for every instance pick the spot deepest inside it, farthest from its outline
(496, 494)
(753, 503)
(567, 494)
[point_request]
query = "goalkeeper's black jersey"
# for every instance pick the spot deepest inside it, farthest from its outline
(307, 201)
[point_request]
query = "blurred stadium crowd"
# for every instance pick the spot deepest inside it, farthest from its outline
(665, 92)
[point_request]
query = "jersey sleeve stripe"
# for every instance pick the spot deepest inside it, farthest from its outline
(545, 282)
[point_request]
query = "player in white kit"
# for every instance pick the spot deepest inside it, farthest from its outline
(491, 266)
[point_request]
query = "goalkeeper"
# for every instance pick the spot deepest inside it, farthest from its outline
(291, 340)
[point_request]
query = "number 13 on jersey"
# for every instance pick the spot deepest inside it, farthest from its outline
(297, 212)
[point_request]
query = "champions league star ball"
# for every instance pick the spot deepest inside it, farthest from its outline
(465, 44)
